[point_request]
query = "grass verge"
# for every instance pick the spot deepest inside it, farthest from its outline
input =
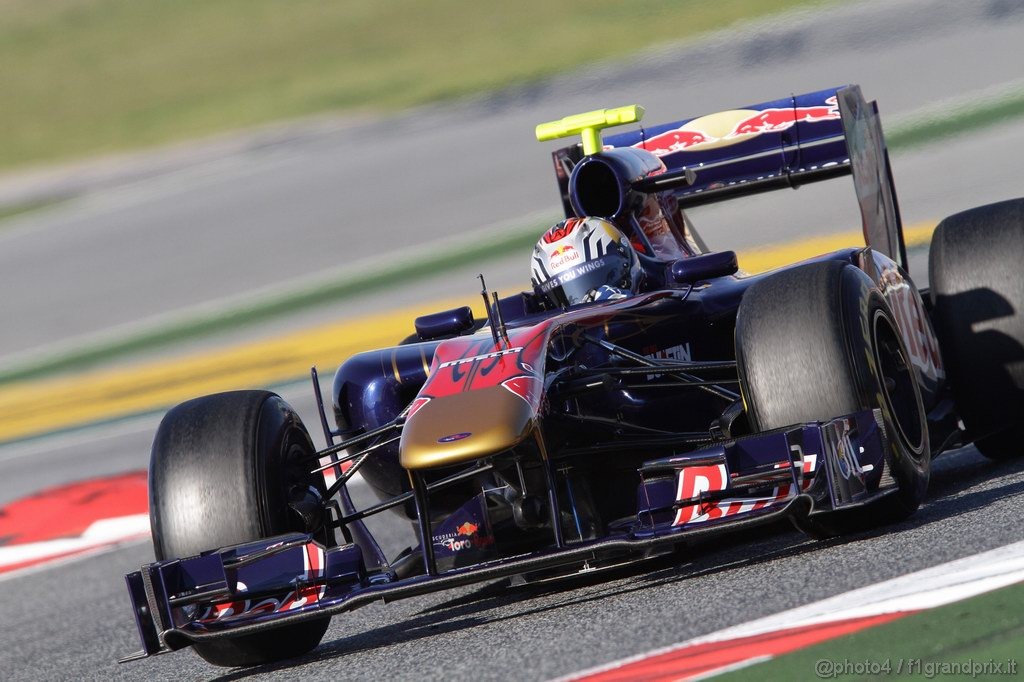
(94, 76)
(962, 116)
(947, 642)
(18, 209)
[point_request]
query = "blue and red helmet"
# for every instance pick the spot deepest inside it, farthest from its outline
(581, 260)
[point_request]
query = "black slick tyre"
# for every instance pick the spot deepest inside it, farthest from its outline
(221, 472)
(816, 342)
(977, 292)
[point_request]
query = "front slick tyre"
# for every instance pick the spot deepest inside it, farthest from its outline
(817, 342)
(221, 472)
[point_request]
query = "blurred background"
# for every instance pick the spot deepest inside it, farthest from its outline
(183, 177)
(197, 196)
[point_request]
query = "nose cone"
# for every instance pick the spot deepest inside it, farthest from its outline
(465, 426)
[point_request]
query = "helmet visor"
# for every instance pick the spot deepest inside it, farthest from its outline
(580, 283)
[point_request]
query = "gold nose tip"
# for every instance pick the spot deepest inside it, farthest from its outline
(465, 426)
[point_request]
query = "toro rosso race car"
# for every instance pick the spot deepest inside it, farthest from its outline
(643, 395)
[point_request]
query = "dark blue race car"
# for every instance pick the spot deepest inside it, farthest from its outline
(645, 394)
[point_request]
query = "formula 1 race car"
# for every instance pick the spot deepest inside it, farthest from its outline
(645, 394)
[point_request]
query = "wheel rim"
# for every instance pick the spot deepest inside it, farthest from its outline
(297, 478)
(898, 385)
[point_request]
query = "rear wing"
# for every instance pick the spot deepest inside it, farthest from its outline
(774, 145)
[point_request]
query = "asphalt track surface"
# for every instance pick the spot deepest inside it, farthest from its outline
(72, 621)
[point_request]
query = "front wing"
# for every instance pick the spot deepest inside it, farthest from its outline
(803, 470)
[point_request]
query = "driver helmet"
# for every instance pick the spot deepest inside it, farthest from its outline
(581, 260)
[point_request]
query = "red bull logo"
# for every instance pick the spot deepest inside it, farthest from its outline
(777, 120)
(563, 256)
(726, 128)
(466, 537)
(675, 141)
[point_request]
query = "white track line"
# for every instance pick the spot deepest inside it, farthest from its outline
(925, 589)
(84, 554)
(101, 533)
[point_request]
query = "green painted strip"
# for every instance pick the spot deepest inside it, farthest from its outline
(209, 322)
(989, 627)
(965, 114)
(13, 210)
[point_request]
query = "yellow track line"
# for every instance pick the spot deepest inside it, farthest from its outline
(772, 256)
(33, 408)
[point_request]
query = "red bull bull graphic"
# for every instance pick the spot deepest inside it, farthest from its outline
(675, 141)
(472, 534)
(725, 128)
(776, 120)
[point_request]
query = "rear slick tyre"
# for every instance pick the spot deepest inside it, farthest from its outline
(977, 291)
(817, 342)
(221, 472)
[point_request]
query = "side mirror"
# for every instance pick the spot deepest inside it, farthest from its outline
(705, 266)
(447, 323)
